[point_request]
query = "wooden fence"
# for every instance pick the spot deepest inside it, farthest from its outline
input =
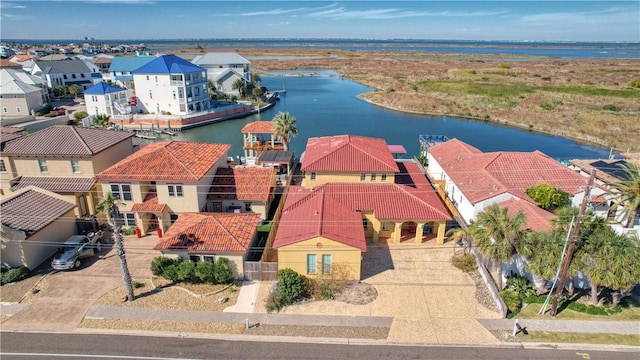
(260, 271)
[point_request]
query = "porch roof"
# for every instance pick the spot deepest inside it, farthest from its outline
(56, 184)
(149, 204)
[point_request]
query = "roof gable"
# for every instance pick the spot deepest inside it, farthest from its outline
(258, 127)
(63, 66)
(167, 161)
(220, 58)
(168, 64)
(129, 63)
(103, 88)
(18, 211)
(210, 233)
(348, 153)
(65, 140)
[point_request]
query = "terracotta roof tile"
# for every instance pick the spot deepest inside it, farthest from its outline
(537, 218)
(56, 184)
(258, 127)
(210, 233)
(484, 175)
(65, 140)
(149, 204)
(32, 210)
(243, 183)
(167, 161)
(348, 153)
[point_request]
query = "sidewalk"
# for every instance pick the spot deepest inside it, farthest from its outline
(574, 326)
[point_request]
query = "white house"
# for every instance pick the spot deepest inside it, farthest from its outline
(224, 68)
(103, 98)
(171, 85)
(64, 72)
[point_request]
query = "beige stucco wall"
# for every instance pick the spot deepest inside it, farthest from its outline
(328, 177)
(236, 261)
(39, 246)
(344, 258)
(56, 167)
(21, 106)
(112, 155)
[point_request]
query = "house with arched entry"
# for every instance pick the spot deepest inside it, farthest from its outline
(354, 192)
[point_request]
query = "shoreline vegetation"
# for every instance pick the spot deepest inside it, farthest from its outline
(588, 100)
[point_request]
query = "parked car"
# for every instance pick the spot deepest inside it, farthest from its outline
(76, 248)
(58, 111)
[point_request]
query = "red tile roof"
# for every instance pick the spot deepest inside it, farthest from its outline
(149, 204)
(65, 141)
(320, 215)
(537, 218)
(258, 127)
(5, 63)
(243, 183)
(19, 211)
(484, 175)
(348, 153)
(167, 161)
(56, 184)
(210, 233)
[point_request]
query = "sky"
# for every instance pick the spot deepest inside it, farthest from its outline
(273, 19)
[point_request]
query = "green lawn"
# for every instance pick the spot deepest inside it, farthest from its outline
(565, 337)
(531, 312)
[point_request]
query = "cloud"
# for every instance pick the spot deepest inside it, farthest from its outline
(124, 2)
(6, 5)
(14, 17)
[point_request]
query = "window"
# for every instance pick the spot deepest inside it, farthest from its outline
(383, 177)
(64, 76)
(130, 219)
(247, 206)
(150, 94)
(17, 109)
(326, 264)
(313, 176)
(156, 79)
(126, 192)
(363, 177)
(209, 258)
(173, 217)
(75, 166)
(43, 165)
(312, 264)
(2, 166)
(194, 258)
(365, 224)
(82, 201)
(147, 77)
(73, 76)
(4, 109)
(82, 76)
(175, 190)
(373, 177)
(121, 191)
(385, 225)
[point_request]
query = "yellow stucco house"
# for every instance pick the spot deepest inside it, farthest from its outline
(353, 182)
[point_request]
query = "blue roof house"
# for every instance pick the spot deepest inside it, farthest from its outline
(122, 66)
(103, 98)
(171, 85)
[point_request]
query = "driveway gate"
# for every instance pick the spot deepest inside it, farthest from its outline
(260, 271)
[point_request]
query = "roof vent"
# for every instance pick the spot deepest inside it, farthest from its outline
(315, 212)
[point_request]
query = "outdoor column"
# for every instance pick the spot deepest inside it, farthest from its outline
(396, 233)
(441, 227)
(376, 231)
(419, 232)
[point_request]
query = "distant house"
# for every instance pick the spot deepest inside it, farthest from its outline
(64, 72)
(170, 84)
(21, 93)
(224, 68)
(208, 236)
(34, 224)
(63, 159)
(258, 136)
(103, 98)
(162, 180)
(8, 64)
(473, 180)
(242, 189)
(121, 68)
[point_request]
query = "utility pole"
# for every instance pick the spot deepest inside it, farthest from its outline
(575, 232)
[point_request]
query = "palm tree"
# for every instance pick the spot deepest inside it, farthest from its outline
(108, 205)
(498, 235)
(628, 192)
(212, 88)
(240, 85)
(285, 127)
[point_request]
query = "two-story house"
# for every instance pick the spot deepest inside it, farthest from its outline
(103, 98)
(121, 68)
(21, 93)
(161, 180)
(225, 68)
(257, 137)
(65, 73)
(354, 191)
(63, 159)
(171, 85)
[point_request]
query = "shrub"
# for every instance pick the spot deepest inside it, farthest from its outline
(80, 115)
(15, 274)
(291, 285)
(548, 197)
(390, 90)
(171, 272)
(504, 66)
(532, 299)
(520, 284)
(276, 302)
(611, 107)
(205, 272)
(466, 263)
(222, 272)
(128, 230)
(551, 104)
(160, 263)
(187, 271)
(512, 300)
(634, 83)
(44, 111)
(137, 284)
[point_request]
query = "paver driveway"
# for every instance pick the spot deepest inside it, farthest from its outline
(430, 300)
(69, 294)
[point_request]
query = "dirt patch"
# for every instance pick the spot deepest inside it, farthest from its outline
(357, 293)
(364, 332)
(24, 291)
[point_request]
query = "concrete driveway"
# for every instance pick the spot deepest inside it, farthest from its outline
(68, 295)
(430, 300)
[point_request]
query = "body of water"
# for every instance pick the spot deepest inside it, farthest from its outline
(327, 105)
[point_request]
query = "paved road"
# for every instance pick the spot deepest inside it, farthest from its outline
(45, 346)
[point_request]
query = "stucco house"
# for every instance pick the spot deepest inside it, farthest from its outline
(224, 68)
(207, 236)
(257, 137)
(161, 180)
(172, 85)
(242, 189)
(34, 224)
(473, 180)
(21, 93)
(63, 159)
(65, 72)
(103, 98)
